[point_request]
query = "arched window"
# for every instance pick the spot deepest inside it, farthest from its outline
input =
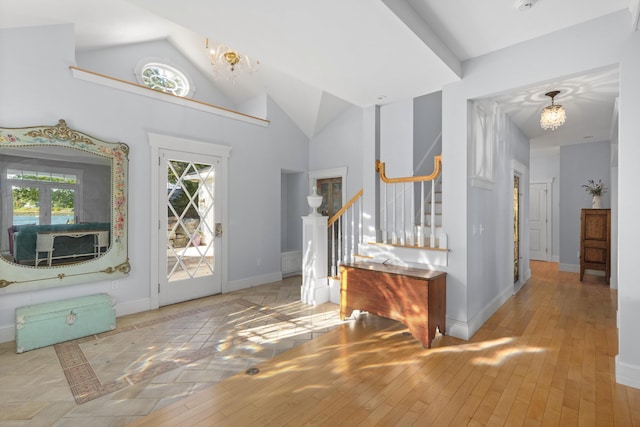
(163, 77)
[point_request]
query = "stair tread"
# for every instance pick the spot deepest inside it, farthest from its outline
(408, 246)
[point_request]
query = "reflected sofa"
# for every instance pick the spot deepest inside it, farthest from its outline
(23, 240)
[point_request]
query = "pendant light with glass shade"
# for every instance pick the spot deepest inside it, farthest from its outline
(553, 116)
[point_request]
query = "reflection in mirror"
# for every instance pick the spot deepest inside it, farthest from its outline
(59, 198)
(63, 211)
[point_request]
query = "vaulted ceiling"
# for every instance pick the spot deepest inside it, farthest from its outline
(319, 58)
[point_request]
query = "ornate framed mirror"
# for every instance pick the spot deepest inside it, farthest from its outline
(63, 208)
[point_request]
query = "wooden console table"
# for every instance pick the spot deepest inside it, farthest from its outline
(412, 296)
(45, 242)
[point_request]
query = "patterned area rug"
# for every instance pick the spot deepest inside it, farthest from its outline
(101, 364)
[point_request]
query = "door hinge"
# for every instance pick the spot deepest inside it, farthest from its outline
(158, 287)
(158, 160)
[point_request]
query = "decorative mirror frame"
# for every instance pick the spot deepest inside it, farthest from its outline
(112, 264)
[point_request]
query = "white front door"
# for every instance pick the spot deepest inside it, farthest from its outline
(190, 226)
(538, 221)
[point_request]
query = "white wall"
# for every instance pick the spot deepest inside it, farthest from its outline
(592, 45)
(39, 90)
(339, 144)
(628, 360)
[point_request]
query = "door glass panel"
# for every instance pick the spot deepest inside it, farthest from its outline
(191, 220)
(331, 191)
(62, 206)
(26, 205)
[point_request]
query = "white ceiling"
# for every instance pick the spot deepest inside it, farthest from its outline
(320, 57)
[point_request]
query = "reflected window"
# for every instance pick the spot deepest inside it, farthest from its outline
(42, 197)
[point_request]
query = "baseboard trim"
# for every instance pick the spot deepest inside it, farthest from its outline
(479, 319)
(594, 272)
(458, 329)
(133, 307)
(575, 268)
(627, 374)
(291, 263)
(8, 333)
(334, 290)
(569, 268)
(465, 330)
(250, 282)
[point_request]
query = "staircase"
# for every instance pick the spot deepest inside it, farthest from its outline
(410, 237)
(432, 214)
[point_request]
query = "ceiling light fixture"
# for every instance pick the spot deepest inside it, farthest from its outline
(553, 116)
(229, 64)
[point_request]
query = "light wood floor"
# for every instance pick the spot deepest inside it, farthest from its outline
(546, 358)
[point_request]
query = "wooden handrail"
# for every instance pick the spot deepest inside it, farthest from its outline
(345, 207)
(437, 164)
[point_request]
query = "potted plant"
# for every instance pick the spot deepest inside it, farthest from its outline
(596, 190)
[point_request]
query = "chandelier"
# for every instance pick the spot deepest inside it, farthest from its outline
(229, 64)
(553, 116)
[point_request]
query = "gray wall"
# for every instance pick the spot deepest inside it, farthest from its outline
(427, 125)
(294, 206)
(579, 163)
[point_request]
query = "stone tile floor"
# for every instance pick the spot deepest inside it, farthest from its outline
(156, 357)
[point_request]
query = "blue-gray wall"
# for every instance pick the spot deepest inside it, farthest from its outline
(427, 125)
(579, 163)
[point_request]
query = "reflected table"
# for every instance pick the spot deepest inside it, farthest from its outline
(45, 243)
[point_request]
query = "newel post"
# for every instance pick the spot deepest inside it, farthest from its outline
(315, 286)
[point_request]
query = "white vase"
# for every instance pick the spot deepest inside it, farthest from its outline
(596, 203)
(314, 200)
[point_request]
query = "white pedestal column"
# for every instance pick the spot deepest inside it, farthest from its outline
(315, 286)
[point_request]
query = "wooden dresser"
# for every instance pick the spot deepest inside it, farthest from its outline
(412, 296)
(595, 241)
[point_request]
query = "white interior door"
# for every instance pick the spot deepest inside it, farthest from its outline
(539, 221)
(190, 227)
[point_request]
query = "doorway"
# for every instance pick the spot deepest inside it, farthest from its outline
(188, 219)
(539, 221)
(516, 229)
(190, 229)
(520, 259)
(331, 184)
(331, 191)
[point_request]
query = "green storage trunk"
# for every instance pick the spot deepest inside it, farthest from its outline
(49, 323)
